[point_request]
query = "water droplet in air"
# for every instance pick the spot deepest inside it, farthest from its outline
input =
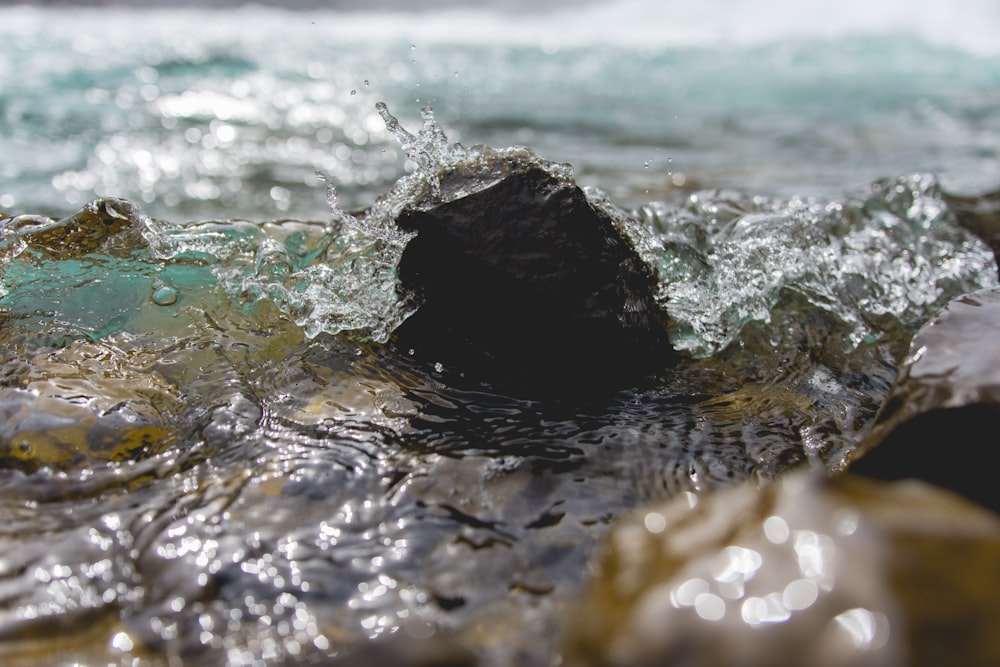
(354, 92)
(366, 82)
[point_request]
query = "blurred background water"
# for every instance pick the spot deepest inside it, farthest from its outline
(228, 111)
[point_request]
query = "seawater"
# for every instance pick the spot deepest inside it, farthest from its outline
(228, 113)
(211, 449)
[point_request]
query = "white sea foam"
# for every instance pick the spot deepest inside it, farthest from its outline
(965, 24)
(970, 25)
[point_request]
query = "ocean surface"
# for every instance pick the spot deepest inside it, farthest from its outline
(196, 113)
(212, 448)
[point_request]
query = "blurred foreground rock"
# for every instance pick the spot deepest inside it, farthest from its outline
(526, 285)
(940, 419)
(804, 572)
(850, 571)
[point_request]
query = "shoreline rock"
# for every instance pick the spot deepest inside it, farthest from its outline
(528, 287)
(940, 417)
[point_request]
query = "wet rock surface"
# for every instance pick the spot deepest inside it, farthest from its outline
(523, 281)
(806, 571)
(980, 215)
(938, 421)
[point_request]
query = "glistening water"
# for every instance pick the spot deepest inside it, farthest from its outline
(201, 114)
(213, 451)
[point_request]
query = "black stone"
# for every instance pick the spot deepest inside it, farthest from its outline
(940, 420)
(945, 448)
(526, 287)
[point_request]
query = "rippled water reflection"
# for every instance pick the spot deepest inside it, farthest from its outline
(301, 496)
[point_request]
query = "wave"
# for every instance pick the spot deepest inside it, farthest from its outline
(879, 262)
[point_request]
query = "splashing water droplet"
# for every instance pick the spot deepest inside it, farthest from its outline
(426, 148)
(339, 215)
(395, 129)
(432, 130)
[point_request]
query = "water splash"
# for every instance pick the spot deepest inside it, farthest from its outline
(869, 265)
(328, 278)
(426, 148)
(354, 287)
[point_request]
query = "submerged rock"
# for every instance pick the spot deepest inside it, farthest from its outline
(806, 571)
(110, 226)
(939, 420)
(526, 285)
